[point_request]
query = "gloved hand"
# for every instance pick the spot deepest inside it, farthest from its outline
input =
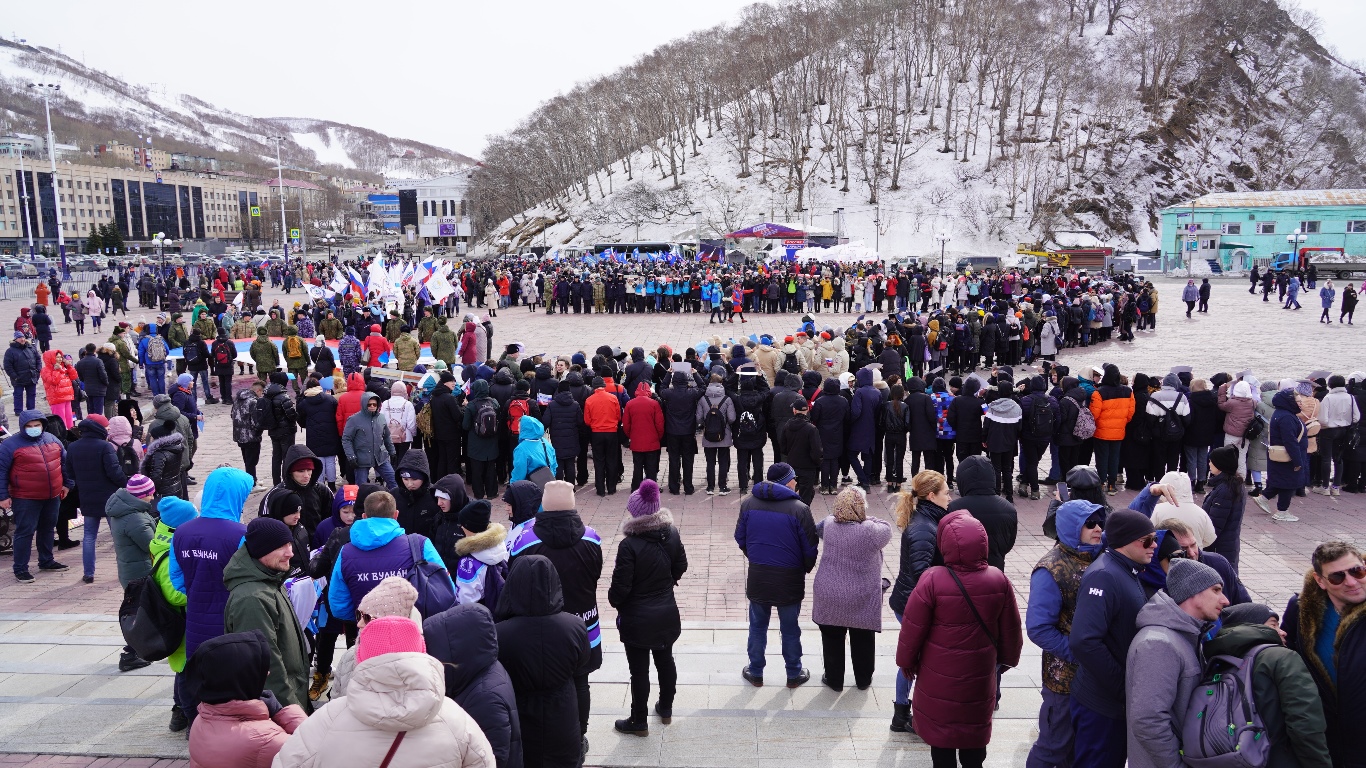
(273, 704)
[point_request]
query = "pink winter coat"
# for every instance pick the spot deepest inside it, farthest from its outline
(240, 734)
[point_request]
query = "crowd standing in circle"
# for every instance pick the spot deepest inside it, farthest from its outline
(487, 619)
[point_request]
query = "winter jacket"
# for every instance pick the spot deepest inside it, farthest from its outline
(1108, 602)
(59, 379)
(942, 645)
(1112, 406)
(562, 418)
(241, 734)
(465, 641)
(479, 448)
(965, 413)
(447, 414)
(830, 414)
(417, 510)
(542, 648)
(977, 494)
(386, 695)
(257, 600)
(1284, 694)
(1236, 401)
(642, 420)
(779, 539)
(317, 414)
(378, 548)
(93, 375)
(200, 550)
(132, 527)
(1289, 432)
(802, 445)
(93, 465)
(847, 589)
(602, 411)
(366, 437)
(576, 552)
(715, 396)
(1206, 420)
(398, 416)
(1225, 501)
(164, 463)
(533, 450)
(31, 467)
(865, 407)
(1343, 696)
(922, 416)
(1053, 587)
(680, 406)
(1163, 666)
(482, 565)
(650, 561)
(22, 363)
(1001, 426)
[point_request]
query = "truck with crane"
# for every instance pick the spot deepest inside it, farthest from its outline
(1327, 261)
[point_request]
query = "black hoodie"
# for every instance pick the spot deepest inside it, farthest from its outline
(316, 497)
(232, 667)
(446, 529)
(576, 552)
(465, 641)
(417, 510)
(977, 489)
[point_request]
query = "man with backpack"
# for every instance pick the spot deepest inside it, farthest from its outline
(296, 356)
(380, 548)
(1168, 412)
(602, 414)
(152, 353)
(716, 413)
(749, 431)
(1164, 661)
(223, 354)
(481, 427)
(279, 419)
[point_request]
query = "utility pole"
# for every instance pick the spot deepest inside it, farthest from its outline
(280, 174)
(23, 201)
(47, 89)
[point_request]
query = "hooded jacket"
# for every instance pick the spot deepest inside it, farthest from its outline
(1112, 405)
(482, 567)
(1185, 511)
(22, 363)
(1001, 427)
(387, 694)
(576, 552)
(316, 497)
(479, 448)
(650, 561)
(563, 417)
(366, 437)
(257, 600)
(643, 420)
(378, 549)
(1225, 502)
(1288, 431)
(465, 641)
(317, 413)
(348, 403)
(776, 533)
(132, 528)
(1237, 401)
(164, 463)
(865, 406)
(965, 413)
(533, 450)
(1344, 698)
(977, 494)
(716, 396)
(1053, 587)
(93, 464)
(201, 549)
(830, 414)
(1164, 664)
(542, 648)
(680, 407)
(943, 646)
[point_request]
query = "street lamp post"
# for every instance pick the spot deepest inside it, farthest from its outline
(162, 242)
(23, 201)
(46, 90)
(280, 175)
(1295, 239)
(943, 239)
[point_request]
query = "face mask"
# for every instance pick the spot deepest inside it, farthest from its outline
(33, 431)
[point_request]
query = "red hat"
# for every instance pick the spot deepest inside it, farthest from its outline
(304, 463)
(788, 339)
(801, 333)
(98, 419)
(374, 328)
(389, 634)
(825, 335)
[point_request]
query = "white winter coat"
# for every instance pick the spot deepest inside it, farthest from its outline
(397, 410)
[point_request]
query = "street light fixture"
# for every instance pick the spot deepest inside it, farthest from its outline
(943, 239)
(46, 90)
(162, 242)
(329, 242)
(1295, 239)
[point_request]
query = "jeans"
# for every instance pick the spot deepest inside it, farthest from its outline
(90, 530)
(24, 393)
(202, 376)
(38, 517)
(638, 661)
(385, 470)
(156, 378)
(758, 636)
(1197, 462)
(1107, 460)
(903, 685)
(94, 404)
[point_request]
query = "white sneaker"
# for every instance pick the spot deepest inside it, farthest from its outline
(1285, 517)
(1262, 502)
(1324, 490)
(1336, 491)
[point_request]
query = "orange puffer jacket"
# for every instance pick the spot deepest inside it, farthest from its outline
(1112, 407)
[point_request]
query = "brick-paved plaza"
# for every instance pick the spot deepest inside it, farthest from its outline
(61, 692)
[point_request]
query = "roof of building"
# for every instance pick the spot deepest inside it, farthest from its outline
(293, 183)
(1276, 199)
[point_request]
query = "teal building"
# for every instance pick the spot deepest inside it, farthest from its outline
(1237, 230)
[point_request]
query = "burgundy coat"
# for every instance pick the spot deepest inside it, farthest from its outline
(943, 646)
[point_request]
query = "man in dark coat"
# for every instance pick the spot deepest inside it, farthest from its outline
(803, 449)
(778, 537)
(563, 418)
(316, 411)
(94, 379)
(303, 469)
(448, 418)
(977, 494)
(465, 641)
(22, 365)
(783, 399)
(93, 464)
(865, 408)
(680, 428)
(830, 414)
(415, 496)
(965, 416)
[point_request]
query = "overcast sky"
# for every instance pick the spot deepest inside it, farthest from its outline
(468, 69)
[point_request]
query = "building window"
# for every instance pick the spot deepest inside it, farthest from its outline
(1356, 227)
(1309, 227)
(1266, 227)
(1231, 229)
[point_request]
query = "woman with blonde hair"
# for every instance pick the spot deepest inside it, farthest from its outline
(847, 591)
(917, 515)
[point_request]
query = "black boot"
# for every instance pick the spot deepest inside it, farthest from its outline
(633, 726)
(901, 718)
(178, 720)
(665, 712)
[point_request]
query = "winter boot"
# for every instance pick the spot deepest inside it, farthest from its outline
(321, 682)
(179, 721)
(665, 712)
(633, 726)
(901, 718)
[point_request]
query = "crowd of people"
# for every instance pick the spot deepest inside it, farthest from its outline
(487, 621)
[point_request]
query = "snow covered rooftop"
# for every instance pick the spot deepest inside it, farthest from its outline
(1276, 199)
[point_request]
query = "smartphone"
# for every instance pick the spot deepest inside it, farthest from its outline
(1062, 492)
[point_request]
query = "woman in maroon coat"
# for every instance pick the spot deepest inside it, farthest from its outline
(947, 650)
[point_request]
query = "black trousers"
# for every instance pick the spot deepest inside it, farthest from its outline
(931, 459)
(1029, 462)
(483, 479)
(327, 641)
(682, 449)
(225, 388)
(644, 465)
(947, 757)
(606, 461)
(638, 661)
(448, 458)
(747, 459)
(944, 461)
(830, 471)
(861, 653)
(251, 454)
(806, 485)
(1005, 474)
(581, 464)
(278, 447)
(967, 449)
(717, 456)
(586, 700)
(894, 452)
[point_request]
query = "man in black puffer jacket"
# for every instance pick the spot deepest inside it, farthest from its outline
(965, 416)
(448, 418)
(580, 390)
(977, 494)
(465, 641)
(784, 397)
(639, 370)
(563, 418)
(680, 428)
(414, 496)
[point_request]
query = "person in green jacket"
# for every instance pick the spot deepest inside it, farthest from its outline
(265, 354)
(255, 578)
(407, 350)
(205, 325)
(275, 326)
(1283, 691)
(296, 356)
(393, 326)
(127, 360)
(330, 327)
(426, 326)
(443, 343)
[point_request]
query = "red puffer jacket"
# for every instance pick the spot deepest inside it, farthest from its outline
(58, 378)
(943, 645)
(35, 467)
(644, 420)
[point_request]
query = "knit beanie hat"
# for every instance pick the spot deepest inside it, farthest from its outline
(557, 496)
(391, 634)
(1188, 578)
(265, 535)
(184, 380)
(283, 504)
(142, 485)
(781, 473)
(1125, 526)
(1225, 459)
(851, 505)
(644, 500)
(304, 463)
(1246, 613)
(475, 516)
(98, 418)
(392, 597)
(174, 511)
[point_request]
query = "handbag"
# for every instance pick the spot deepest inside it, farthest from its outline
(542, 474)
(389, 756)
(1280, 453)
(975, 614)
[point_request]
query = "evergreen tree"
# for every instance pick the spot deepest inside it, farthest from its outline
(95, 241)
(111, 238)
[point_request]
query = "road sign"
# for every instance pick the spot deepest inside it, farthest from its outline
(256, 210)
(1192, 227)
(294, 234)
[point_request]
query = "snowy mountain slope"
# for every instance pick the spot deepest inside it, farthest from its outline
(992, 121)
(94, 107)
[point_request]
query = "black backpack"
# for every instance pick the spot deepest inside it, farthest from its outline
(128, 458)
(486, 419)
(1169, 426)
(792, 365)
(714, 423)
(1043, 414)
(151, 626)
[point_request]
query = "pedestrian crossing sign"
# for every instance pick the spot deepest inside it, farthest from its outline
(256, 210)
(294, 234)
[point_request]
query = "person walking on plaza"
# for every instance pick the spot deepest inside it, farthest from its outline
(961, 625)
(1287, 458)
(778, 538)
(1326, 296)
(846, 594)
(33, 485)
(650, 562)
(1190, 294)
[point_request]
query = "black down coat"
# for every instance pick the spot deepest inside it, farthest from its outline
(465, 641)
(576, 552)
(317, 414)
(162, 463)
(542, 648)
(562, 419)
(977, 494)
(830, 414)
(922, 420)
(650, 561)
(919, 551)
(417, 510)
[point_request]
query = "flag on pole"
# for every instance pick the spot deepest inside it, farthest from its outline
(357, 282)
(339, 282)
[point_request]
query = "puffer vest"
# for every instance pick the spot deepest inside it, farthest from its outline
(203, 547)
(1066, 566)
(363, 569)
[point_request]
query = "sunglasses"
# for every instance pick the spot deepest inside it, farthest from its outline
(1149, 541)
(1357, 572)
(1090, 524)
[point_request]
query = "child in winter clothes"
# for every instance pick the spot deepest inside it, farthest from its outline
(1001, 438)
(331, 535)
(286, 506)
(483, 557)
(239, 725)
(451, 497)
(174, 512)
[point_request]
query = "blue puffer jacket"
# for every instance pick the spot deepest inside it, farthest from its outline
(778, 537)
(22, 363)
(1288, 431)
(92, 464)
(1104, 624)
(533, 450)
(201, 549)
(465, 641)
(378, 549)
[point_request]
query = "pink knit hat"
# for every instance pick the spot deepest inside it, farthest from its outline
(389, 634)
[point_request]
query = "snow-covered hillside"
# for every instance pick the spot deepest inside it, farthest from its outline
(94, 107)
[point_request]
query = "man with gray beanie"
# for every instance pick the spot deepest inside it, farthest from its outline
(1165, 662)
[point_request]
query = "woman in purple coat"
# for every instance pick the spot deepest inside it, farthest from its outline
(846, 596)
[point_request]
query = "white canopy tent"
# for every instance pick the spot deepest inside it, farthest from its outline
(857, 251)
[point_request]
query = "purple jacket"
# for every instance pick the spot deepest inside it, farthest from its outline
(847, 590)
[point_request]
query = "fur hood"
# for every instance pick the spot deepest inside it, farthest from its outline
(1312, 603)
(638, 526)
(488, 546)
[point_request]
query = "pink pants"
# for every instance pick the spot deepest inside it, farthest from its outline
(63, 410)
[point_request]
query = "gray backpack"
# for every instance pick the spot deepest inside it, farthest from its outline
(1223, 728)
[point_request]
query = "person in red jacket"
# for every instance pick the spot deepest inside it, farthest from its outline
(953, 654)
(59, 384)
(643, 423)
(376, 345)
(602, 415)
(32, 484)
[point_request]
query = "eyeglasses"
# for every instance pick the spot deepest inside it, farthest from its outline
(1357, 572)
(1149, 541)
(365, 617)
(1090, 524)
